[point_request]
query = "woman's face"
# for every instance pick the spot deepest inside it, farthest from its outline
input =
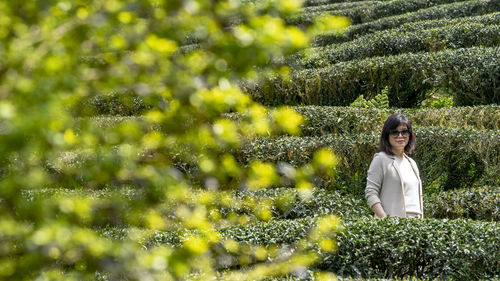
(399, 138)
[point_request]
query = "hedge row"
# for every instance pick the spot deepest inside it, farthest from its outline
(116, 103)
(477, 204)
(322, 120)
(472, 75)
(309, 3)
(447, 158)
(392, 43)
(337, 6)
(388, 248)
(488, 19)
(316, 275)
(370, 13)
(444, 12)
(287, 203)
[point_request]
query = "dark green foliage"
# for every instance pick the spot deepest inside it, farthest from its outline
(477, 204)
(444, 12)
(288, 204)
(472, 74)
(322, 120)
(338, 6)
(455, 249)
(309, 3)
(388, 248)
(273, 232)
(370, 13)
(488, 19)
(447, 158)
(123, 104)
(392, 43)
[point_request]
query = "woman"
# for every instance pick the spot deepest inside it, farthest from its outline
(393, 183)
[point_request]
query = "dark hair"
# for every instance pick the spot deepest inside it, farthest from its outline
(390, 124)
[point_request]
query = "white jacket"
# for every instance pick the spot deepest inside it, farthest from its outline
(384, 184)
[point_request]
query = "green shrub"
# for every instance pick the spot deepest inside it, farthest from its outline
(477, 204)
(472, 74)
(337, 6)
(488, 19)
(321, 120)
(309, 3)
(448, 13)
(288, 203)
(464, 157)
(386, 43)
(369, 13)
(392, 247)
(480, 117)
(122, 104)
(311, 275)
(435, 249)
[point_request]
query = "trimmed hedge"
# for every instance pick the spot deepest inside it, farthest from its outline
(392, 247)
(338, 6)
(435, 249)
(488, 19)
(116, 103)
(471, 74)
(392, 43)
(288, 204)
(369, 13)
(447, 158)
(381, 248)
(321, 120)
(312, 275)
(477, 204)
(309, 3)
(444, 12)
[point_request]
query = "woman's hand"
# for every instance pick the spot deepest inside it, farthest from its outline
(379, 210)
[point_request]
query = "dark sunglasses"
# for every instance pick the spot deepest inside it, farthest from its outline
(404, 133)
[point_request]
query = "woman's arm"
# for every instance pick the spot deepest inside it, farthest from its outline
(374, 181)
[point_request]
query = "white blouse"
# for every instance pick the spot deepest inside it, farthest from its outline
(410, 186)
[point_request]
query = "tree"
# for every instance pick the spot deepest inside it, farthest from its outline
(186, 60)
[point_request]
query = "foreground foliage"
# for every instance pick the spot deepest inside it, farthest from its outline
(45, 75)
